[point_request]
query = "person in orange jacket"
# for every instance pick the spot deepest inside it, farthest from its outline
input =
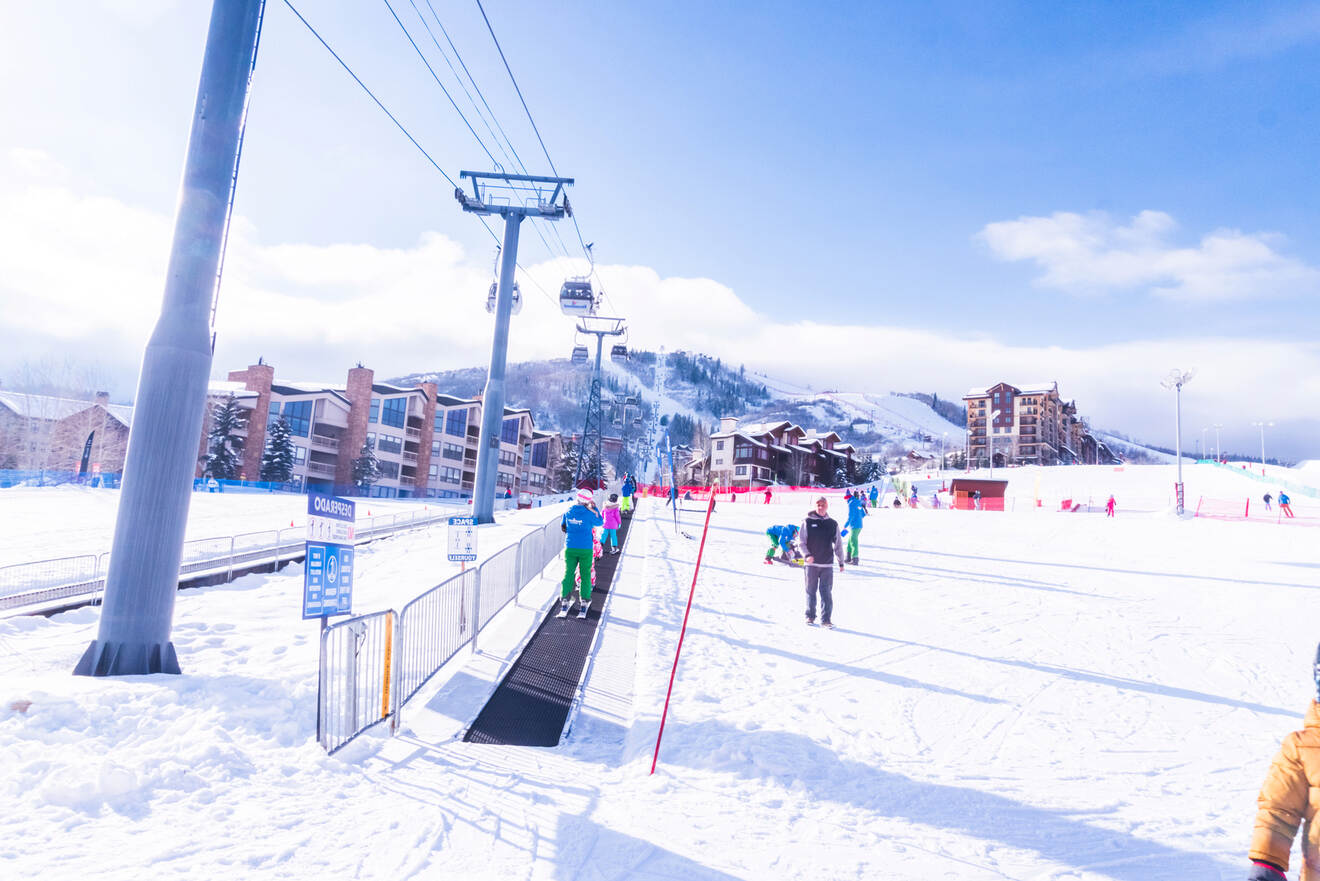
(1285, 803)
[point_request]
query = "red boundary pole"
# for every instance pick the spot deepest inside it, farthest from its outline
(691, 593)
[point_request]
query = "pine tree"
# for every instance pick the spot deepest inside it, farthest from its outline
(567, 468)
(277, 460)
(366, 467)
(222, 442)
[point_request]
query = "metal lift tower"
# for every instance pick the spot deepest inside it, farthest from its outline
(594, 429)
(513, 197)
(138, 610)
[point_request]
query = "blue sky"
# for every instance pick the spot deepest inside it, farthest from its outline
(865, 197)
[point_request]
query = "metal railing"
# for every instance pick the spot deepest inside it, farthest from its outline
(432, 629)
(429, 632)
(357, 694)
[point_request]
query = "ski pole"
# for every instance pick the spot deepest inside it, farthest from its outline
(691, 593)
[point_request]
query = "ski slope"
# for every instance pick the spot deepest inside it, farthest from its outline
(1025, 695)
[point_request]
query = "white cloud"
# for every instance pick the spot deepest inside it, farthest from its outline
(84, 276)
(1087, 254)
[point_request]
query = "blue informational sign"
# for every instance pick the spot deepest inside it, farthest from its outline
(328, 572)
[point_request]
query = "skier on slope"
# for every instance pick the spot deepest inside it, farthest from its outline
(1286, 802)
(626, 493)
(1109, 507)
(781, 539)
(1268, 498)
(579, 525)
(1285, 503)
(856, 512)
(875, 496)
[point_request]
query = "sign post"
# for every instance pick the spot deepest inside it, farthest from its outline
(463, 550)
(328, 572)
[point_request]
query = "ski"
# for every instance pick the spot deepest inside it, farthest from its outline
(582, 610)
(563, 610)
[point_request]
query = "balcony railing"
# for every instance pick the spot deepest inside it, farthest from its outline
(410, 457)
(320, 468)
(413, 432)
(321, 440)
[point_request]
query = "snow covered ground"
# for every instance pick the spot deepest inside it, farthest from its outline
(1026, 695)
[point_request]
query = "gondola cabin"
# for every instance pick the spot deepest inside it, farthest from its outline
(577, 298)
(579, 355)
(619, 353)
(494, 292)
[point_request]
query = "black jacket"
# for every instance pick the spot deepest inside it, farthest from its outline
(819, 539)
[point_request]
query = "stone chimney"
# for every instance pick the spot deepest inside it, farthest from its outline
(422, 482)
(257, 378)
(728, 423)
(358, 393)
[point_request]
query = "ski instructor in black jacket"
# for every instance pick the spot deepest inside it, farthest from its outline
(822, 547)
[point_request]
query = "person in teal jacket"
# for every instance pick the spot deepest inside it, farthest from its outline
(856, 511)
(875, 496)
(579, 525)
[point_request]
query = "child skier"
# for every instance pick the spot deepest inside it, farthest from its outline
(1285, 803)
(613, 520)
(579, 526)
(875, 497)
(1285, 503)
(627, 491)
(856, 511)
(781, 539)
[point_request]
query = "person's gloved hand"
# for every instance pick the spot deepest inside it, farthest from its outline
(1264, 872)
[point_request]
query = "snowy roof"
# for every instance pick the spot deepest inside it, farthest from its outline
(55, 408)
(1031, 388)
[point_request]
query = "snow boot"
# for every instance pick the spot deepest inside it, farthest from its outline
(563, 608)
(582, 610)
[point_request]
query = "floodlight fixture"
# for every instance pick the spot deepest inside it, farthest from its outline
(1262, 426)
(1176, 380)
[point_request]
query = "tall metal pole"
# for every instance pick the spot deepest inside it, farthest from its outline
(138, 610)
(1219, 451)
(1177, 434)
(600, 435)
(1262, 426)
(492, 402)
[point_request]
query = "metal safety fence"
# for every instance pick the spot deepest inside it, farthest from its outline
(428, 633)
(356, 696)
(75, 578)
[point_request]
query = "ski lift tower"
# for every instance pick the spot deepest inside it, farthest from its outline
(513, 197)
(594, 428)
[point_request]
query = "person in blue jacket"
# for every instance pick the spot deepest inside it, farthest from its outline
(781, 539)
(626, 493)
(579, 524)
(856, 511)
(875, 496)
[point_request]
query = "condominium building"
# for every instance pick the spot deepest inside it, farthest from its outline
(75, 436)
(1028, 425)
(777, 452)
(426, 442)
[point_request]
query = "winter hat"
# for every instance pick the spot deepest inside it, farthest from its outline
(614, 497)
(584, 496)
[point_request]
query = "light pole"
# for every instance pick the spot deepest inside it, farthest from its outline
(1219, 451)
(1262, 426)
(990, 440)
(1203, 450)
(944, 439)
(1176, 380)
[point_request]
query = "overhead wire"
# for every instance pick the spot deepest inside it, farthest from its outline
(407, 134)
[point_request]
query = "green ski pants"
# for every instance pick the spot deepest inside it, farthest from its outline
(853, 536)
(579, 559)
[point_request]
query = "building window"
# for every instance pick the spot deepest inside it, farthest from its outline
(452, 451)
(508, 458)
(435, 448)
(504, 479)
(744, 451)
(540, 455)
(509, 431)
(272, 413)
(719, 445)
(390, 444)
(389, 470)
(395, 413)
(299, 416)
(299, 454)
(456, 422)
(741, 470)
(450, 475)
(435, 472)
(374, 414)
